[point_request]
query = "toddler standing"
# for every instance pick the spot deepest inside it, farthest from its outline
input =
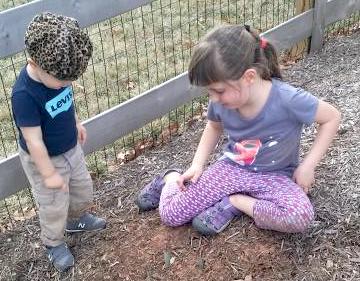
(51, 135)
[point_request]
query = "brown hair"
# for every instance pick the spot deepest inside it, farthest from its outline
(227, 52)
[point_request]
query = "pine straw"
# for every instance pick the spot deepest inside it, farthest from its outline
(137, 247)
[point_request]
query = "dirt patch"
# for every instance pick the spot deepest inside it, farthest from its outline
(138, 247)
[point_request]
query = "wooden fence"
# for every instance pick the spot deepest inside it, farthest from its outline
(105, 128)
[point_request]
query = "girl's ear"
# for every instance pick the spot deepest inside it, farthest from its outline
(250, 75)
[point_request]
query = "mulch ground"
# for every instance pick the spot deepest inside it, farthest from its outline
(138, 247)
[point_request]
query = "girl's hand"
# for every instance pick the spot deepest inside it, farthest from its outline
(81, 133)
(56, 181)
(304, 176)
(192, 174)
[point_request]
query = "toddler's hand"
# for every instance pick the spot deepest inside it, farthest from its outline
(192, 174)
(304, 176)
(81, 133)
(56, 181)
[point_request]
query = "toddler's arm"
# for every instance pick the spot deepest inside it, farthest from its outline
(328, 118)
(82, 135)
(40, 156)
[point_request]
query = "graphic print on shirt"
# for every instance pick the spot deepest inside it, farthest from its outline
(62, 102)
(245, 152)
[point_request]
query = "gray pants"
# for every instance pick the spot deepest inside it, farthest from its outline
(55, 206)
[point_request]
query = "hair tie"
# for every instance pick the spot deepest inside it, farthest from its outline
(263, 43)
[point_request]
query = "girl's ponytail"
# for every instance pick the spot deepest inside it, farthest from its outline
(267, 50)
(272, 60)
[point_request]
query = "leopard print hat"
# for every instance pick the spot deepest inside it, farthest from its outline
(58, 45)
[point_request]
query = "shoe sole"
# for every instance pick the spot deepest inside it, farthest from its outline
(83, 230)
(200, 227)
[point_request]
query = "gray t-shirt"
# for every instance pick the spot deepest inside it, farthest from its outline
(270, 141)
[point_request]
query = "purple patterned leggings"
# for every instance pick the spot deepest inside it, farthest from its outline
(282, 205)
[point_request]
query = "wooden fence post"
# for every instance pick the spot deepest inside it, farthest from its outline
(298, 50)
(317, 34)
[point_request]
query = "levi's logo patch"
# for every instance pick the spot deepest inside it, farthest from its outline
(62, 102)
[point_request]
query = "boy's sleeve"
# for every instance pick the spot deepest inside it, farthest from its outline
(303, 106)
(25, 111)
(211, 113)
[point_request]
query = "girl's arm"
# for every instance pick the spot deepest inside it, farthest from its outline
(208, 141)
(328, 118)
(40, 156)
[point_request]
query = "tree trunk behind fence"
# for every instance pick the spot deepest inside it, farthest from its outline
(298, 50)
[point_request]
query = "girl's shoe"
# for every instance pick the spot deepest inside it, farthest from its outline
(149, 197)
(216, 218)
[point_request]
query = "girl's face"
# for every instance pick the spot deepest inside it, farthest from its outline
(231, 94)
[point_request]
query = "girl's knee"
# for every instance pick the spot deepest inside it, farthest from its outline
(299, 219)
(166, 219)
(169, 218)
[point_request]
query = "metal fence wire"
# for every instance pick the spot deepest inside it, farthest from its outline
(134, 52)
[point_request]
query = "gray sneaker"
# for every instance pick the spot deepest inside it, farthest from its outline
(60, 256)
(87, 222)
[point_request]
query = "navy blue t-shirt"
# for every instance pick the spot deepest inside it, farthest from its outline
(34, 104)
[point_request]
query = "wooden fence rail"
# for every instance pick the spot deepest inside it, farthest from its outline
(13, 22)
